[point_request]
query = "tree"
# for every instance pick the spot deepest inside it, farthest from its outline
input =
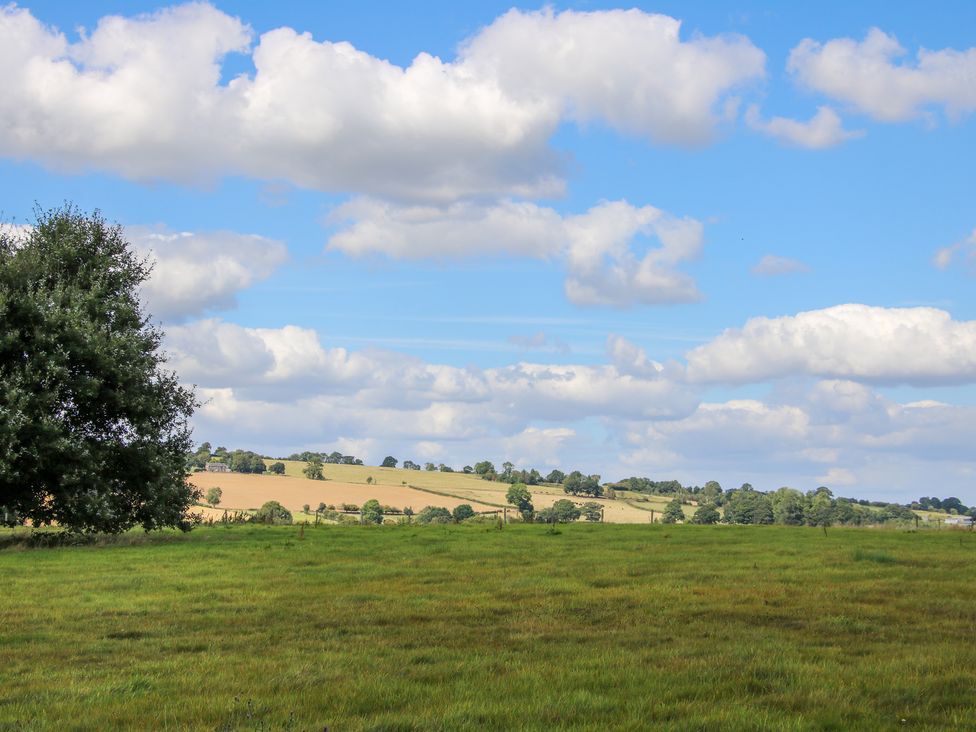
(462, 512)
(272, 512)
(706, 514)
(434, 515)
(389, 462)
(467, 470)
(748, 506)
(520, 497)
(484, 468)
(576, 484)
(410, 465)
(592, 511)
(94, 431)
(789, 506)
(313, 471)
(278, 468)
(372, 512)
(712, 491)
(430, 467)
(556, 476)
(213, 496)
(673, 512)
(565, 511)
(306, 508)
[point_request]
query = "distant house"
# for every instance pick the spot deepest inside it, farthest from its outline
(215, 467)
(959, 521)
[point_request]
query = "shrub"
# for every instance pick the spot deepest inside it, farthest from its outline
(277, 468)
(706, 514)
(372, 512)
(213, 496)
(272, 512)
(462, 512)
(434, 515)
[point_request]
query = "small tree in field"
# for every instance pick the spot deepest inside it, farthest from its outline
(592, 511)
(272, 512)
(520, 497)
(372, 512)
(706, 514)
(462, 512)
(213, 496)
(313, 471)
(389, 462)
(673, 513)
(278, 468)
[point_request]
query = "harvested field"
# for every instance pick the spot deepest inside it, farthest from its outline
(243, 491)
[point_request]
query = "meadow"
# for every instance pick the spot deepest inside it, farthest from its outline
(468, 627)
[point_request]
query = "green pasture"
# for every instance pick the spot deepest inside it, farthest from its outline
(596, 627)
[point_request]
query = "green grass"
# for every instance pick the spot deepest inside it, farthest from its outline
(467, 628)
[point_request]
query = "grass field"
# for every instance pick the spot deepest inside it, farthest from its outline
(467, 628)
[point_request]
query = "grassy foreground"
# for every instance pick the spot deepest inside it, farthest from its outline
(469, 628)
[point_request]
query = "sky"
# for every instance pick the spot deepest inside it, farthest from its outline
(729, 241)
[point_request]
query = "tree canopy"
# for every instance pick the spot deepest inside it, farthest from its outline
(94, 432)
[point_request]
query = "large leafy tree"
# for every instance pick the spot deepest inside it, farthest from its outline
(94, 429)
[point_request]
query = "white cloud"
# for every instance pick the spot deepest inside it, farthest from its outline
(944, 256)
(290, 362)
(772, 265)
(839, 434)
(865, 75)
(885, 345)
(626, 68)
(194, 272)
(629, 358)
(821, 131)
(142, 97)
(280, 389)
(605, 249)
(15, 232)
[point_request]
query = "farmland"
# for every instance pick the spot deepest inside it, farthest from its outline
(398, 488)
(465, 627)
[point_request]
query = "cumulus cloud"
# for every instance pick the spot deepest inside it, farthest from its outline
(836, 433)
(875, 344)
(944, 256)
(772, 265)
(262, 364)
(605, 250)
(821, 131)
(194, 272)
(282, 389)
(142, 97)
(866, 75)
(626, 68)
(629, 358)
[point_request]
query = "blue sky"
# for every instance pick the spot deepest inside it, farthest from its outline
(567, 235)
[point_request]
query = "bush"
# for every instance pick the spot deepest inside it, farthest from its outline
(434, 515)
(462, 512)
(213, 496)
(272, 512)
(592, 511)
(672, 512)
(562, 511)
(372, 512)
(277, 468)
(706, 514)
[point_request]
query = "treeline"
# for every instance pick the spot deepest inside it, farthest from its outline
(237, 461)
(332, 458)
(786, 506)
